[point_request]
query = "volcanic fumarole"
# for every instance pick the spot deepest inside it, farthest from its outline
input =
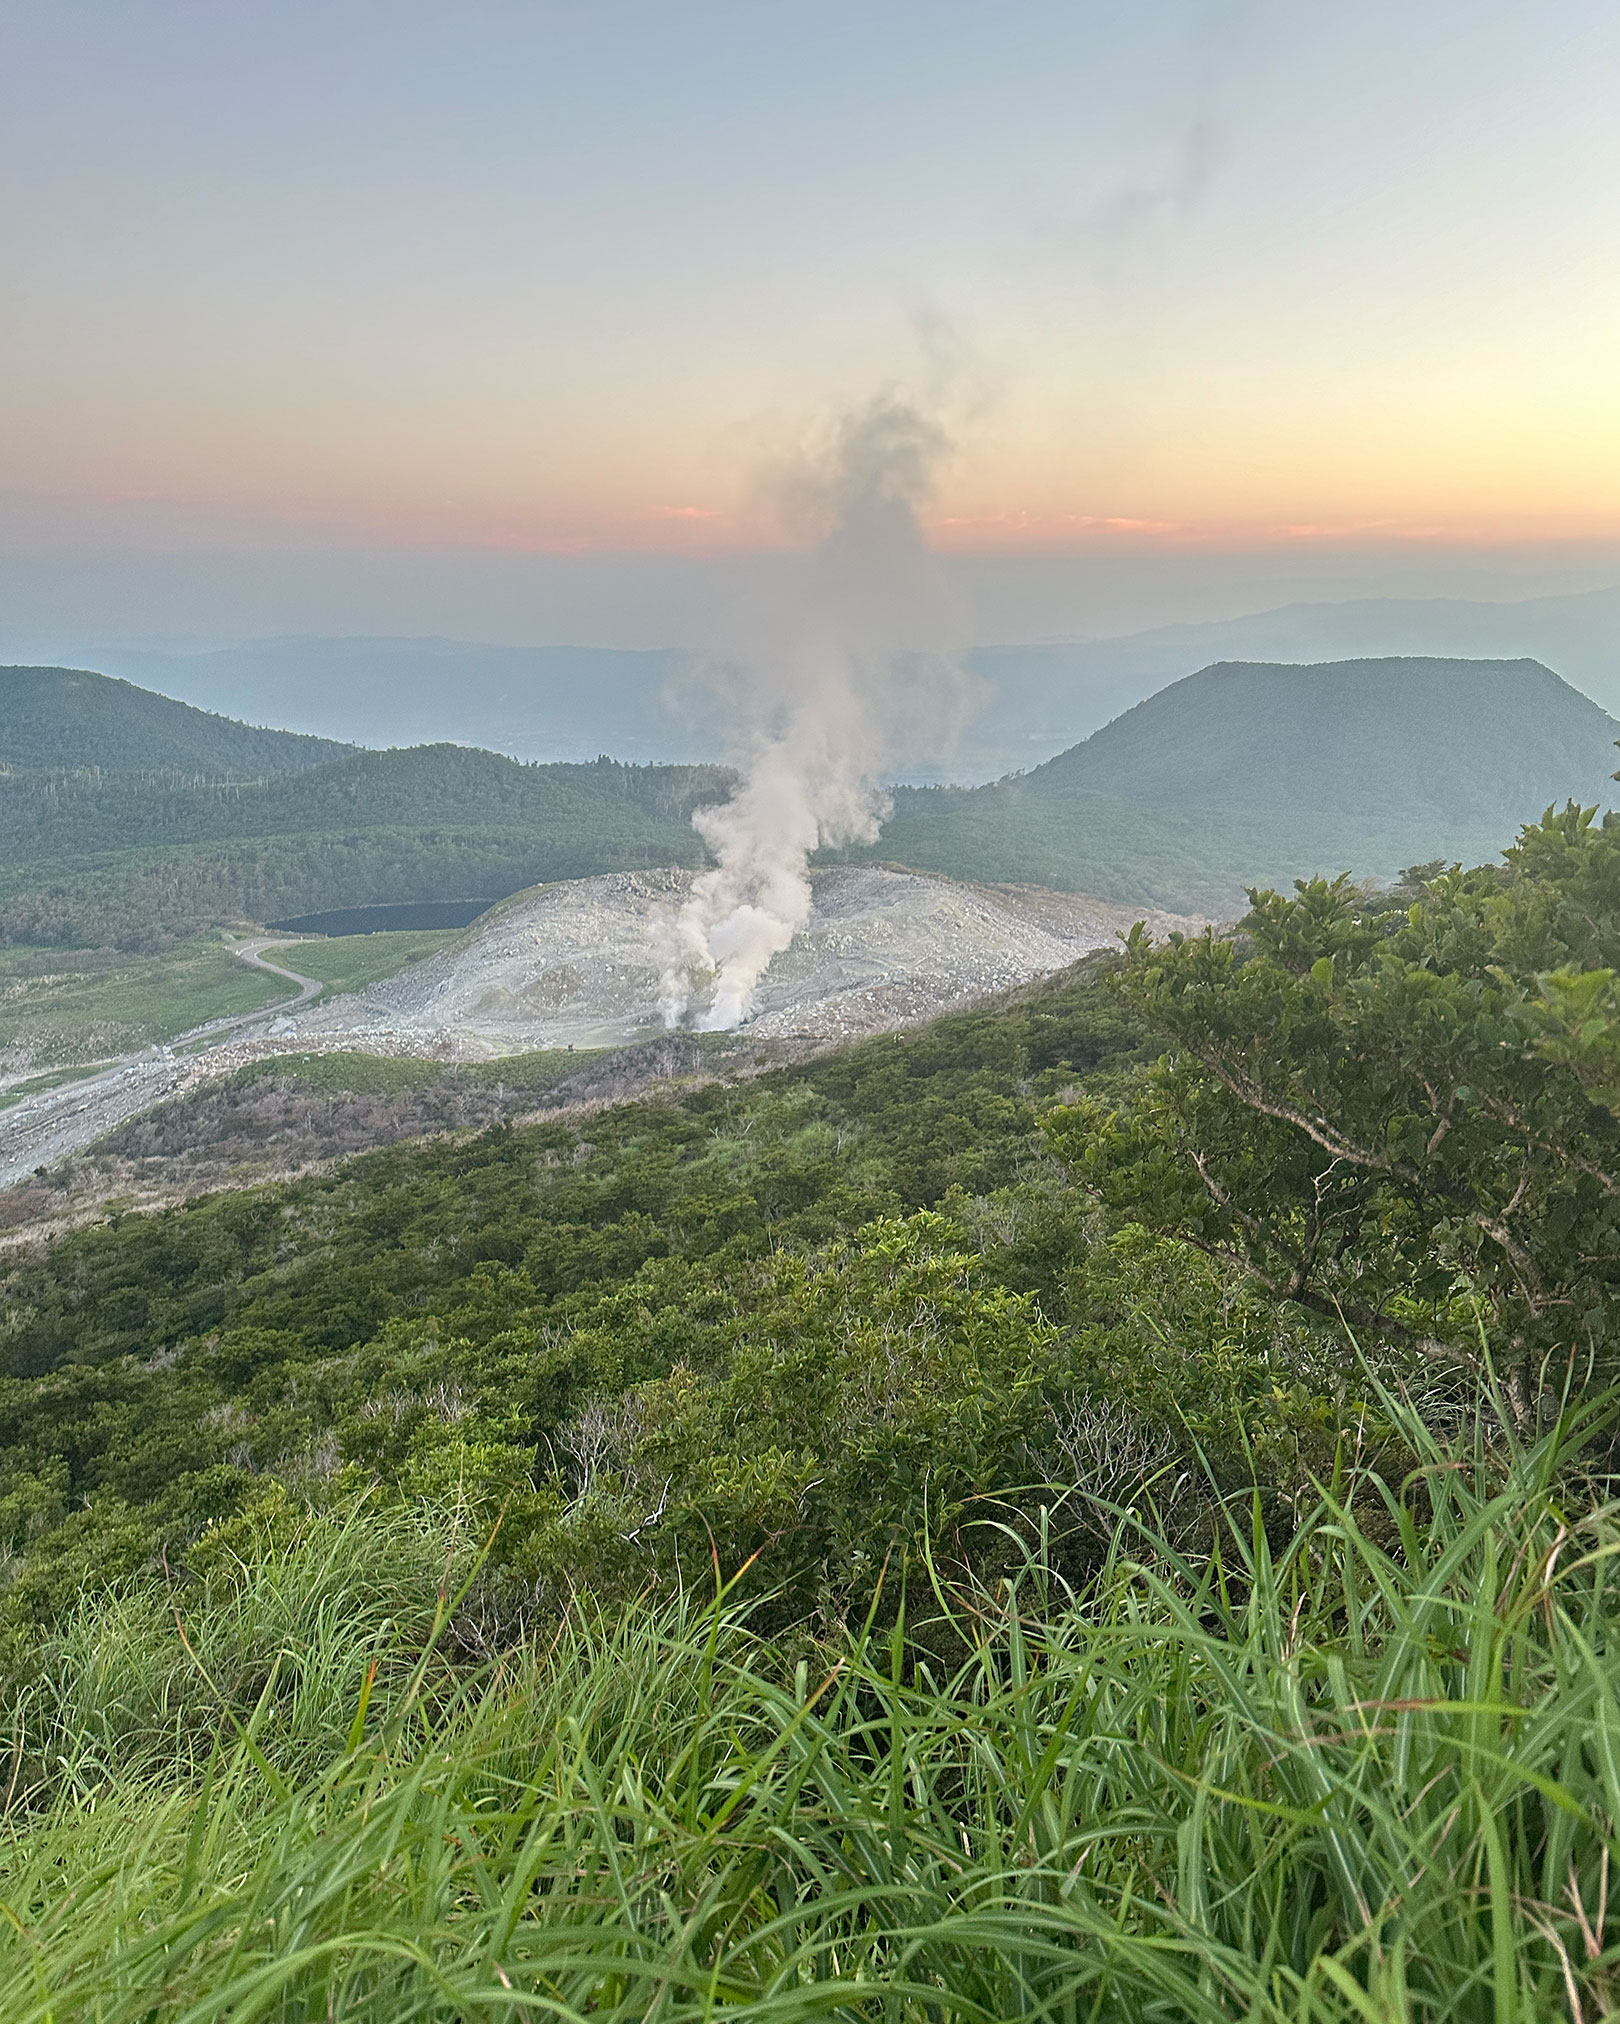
(853, 674)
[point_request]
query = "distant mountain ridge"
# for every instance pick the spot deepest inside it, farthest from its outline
(557, 704)
(70, 717)
(573, 702)
(1244, 773)
(1577, 634)
(1255, 773)
(1419, 733)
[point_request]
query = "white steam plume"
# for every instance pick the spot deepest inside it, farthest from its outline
(855, 677)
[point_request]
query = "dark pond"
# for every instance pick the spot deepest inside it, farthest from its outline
(381, 920)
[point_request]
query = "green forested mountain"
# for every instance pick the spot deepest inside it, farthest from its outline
(69, 718)
(132, 860)
(47, 816)
(1244, 774)
(1252, 773)
(130, 820)
(1409, 740)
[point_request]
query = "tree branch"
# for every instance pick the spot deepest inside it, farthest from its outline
(1371, 1320)
(1315, 1129)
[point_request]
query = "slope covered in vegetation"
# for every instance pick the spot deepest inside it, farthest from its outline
(1151, 1442)
(1244, 773)
(133, 861)
(1251, 773)
(69, 718)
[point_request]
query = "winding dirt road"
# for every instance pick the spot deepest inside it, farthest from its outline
(47, 1127)
(253, 953)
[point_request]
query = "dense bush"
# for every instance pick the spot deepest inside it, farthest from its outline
(1397, 1109)
(640, 1270)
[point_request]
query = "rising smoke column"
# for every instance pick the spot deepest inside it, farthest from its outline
(856, 677)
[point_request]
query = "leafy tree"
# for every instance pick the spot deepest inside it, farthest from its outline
(1396, 1108)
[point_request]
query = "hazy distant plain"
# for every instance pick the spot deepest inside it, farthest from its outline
(574, 702)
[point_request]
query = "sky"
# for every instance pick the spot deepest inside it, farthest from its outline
(492, 317)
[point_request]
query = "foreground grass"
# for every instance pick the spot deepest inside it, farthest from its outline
(1374, 1774)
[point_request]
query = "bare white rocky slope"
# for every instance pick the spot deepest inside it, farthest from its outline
(578, 964)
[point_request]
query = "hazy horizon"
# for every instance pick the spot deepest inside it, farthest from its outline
(77, 605)
(326, 320)
(573, 702)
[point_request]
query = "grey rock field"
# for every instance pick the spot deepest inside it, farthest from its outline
(579, 963)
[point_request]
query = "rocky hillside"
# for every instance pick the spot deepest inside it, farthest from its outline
(579, 963)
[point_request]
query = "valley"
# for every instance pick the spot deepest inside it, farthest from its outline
(1162, 816)
(1239, 775)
